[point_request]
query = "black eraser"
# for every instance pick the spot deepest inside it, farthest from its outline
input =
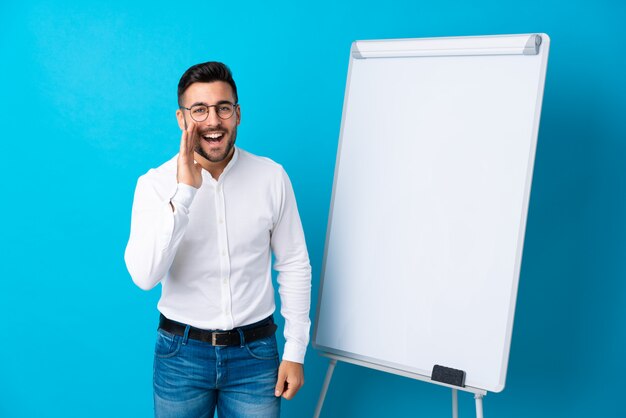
(448, 375)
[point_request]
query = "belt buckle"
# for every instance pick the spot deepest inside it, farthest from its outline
(214, 339)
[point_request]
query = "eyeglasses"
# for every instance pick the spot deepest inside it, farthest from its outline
(200, 112)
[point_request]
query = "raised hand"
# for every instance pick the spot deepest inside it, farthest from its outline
(188, 171)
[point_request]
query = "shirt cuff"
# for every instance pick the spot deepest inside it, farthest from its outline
(184, 196)
(294, 352)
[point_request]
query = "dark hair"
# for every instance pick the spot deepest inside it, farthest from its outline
(206, 72)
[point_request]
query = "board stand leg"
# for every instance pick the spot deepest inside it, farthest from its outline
(329, 375)
(479, 405)
(455, 403)
(479, 394)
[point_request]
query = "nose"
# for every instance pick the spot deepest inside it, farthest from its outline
(212, 118)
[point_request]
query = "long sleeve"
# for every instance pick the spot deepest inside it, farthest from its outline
(294, 274)
(156, 231)
(212, 254)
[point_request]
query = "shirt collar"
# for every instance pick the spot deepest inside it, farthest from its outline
(232, 161)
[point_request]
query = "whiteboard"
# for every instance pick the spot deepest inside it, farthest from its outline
(429, 203)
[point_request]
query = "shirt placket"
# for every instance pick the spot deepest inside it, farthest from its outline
(224, 255)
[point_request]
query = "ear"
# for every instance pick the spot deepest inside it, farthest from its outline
(238, 113)
(181, 122)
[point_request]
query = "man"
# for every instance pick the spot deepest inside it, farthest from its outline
(204, 224)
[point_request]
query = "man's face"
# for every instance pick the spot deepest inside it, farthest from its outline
(215, 136)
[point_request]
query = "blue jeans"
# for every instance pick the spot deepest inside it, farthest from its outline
(192, 378)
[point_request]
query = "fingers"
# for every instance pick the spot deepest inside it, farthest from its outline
(290, 380)
(187, 141)
(280, 384)
(183, 143)
(188, 171)
(290, 392)
(191, 139)
(292, 387)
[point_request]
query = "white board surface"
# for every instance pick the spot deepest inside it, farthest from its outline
(429, 204)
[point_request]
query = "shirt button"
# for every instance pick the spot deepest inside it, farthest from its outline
(221, 221)
(224, 252)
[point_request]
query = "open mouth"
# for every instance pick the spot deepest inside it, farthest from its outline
(213, 137)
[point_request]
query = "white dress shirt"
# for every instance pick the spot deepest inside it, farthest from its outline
(212, 254)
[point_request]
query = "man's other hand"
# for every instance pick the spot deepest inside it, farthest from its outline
(290, 379)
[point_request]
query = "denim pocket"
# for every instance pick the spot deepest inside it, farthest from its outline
(264, 348)
(167, 345)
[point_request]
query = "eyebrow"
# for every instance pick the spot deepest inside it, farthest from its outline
(206, 104)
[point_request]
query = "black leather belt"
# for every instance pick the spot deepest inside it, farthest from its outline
(253, 332)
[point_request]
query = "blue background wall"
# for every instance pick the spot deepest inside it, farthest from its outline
(88, 99)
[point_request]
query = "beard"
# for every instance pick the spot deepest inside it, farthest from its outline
(221, 156)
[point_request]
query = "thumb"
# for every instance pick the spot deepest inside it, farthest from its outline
(198, 167)
(280, 384)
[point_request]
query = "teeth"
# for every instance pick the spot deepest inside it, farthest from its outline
(214, 136)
